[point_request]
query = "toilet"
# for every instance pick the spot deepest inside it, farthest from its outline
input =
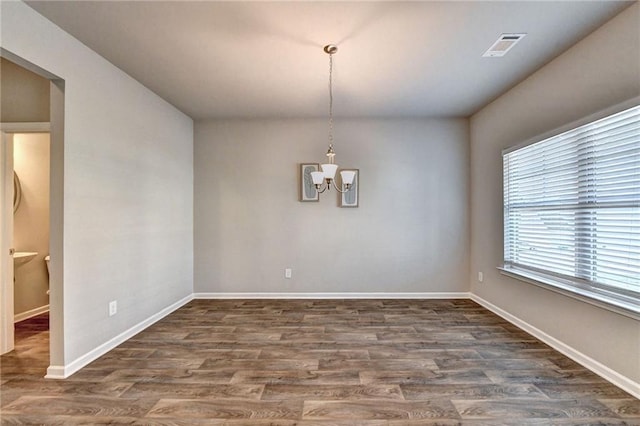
(47, 258)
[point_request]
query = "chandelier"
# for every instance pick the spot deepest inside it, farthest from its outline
(325, 179)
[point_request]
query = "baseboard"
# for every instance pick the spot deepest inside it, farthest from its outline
(56, 372)
(598, 368)
(62, 372)
(340, 295)
(30, 314)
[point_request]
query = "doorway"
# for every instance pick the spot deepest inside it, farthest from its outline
(18, 125)
(25, 216)
(31, 161)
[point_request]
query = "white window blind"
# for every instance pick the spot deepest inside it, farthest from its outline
(572, 206)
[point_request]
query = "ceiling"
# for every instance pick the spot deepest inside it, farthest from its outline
(265, 59)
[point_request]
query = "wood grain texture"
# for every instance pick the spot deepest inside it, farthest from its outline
(550, 409)
(374, 410)
(314, 362)
(624, 407)
(331, 392)
(226, 409)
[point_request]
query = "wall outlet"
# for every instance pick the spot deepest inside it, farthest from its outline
(480, 277)
(287, 273)
(113, 308)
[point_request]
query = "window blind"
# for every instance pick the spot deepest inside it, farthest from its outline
(572, 205)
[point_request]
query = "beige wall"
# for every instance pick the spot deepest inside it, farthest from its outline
(31, 220)
(410, 233)
(24, 95)
(598, 72)
(128, 189)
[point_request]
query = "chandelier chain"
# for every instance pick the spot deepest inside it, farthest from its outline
(330, 100)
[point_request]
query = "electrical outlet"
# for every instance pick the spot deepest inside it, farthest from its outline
(480, 277)
(287, 273)
(113, 308)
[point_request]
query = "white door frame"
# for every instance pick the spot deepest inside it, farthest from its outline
(7, 130)
(6, 244)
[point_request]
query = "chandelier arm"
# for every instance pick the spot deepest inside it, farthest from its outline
(340, 190)
(318, 188)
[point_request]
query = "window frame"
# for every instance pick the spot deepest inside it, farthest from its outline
(620, 301)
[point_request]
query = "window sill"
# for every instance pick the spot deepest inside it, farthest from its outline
(618, 304)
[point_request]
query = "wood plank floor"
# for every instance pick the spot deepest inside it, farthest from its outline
(315, 362)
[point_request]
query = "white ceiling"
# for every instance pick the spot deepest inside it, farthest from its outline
(265, 59)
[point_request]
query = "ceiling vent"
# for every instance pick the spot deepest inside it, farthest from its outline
(504, 43)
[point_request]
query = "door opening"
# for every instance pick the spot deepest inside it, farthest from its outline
(23, 118)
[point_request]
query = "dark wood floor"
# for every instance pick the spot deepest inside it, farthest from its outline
(315, 362)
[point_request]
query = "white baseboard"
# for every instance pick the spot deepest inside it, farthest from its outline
(56, 372)
(598, 368)
(64, 371)
(30, 314)
(345, 295)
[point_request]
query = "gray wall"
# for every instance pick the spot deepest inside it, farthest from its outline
(600, 71)
(31, 220)
(25, 95)
(128, 188)
(410, 233)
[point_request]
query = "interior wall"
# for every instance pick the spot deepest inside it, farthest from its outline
(31, 220)
(128, 187)
(409, 234)
(24, 94)
(600, 71)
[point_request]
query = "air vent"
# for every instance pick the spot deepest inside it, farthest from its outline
(504, 43)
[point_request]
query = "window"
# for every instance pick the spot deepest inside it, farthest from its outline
(572, 210)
